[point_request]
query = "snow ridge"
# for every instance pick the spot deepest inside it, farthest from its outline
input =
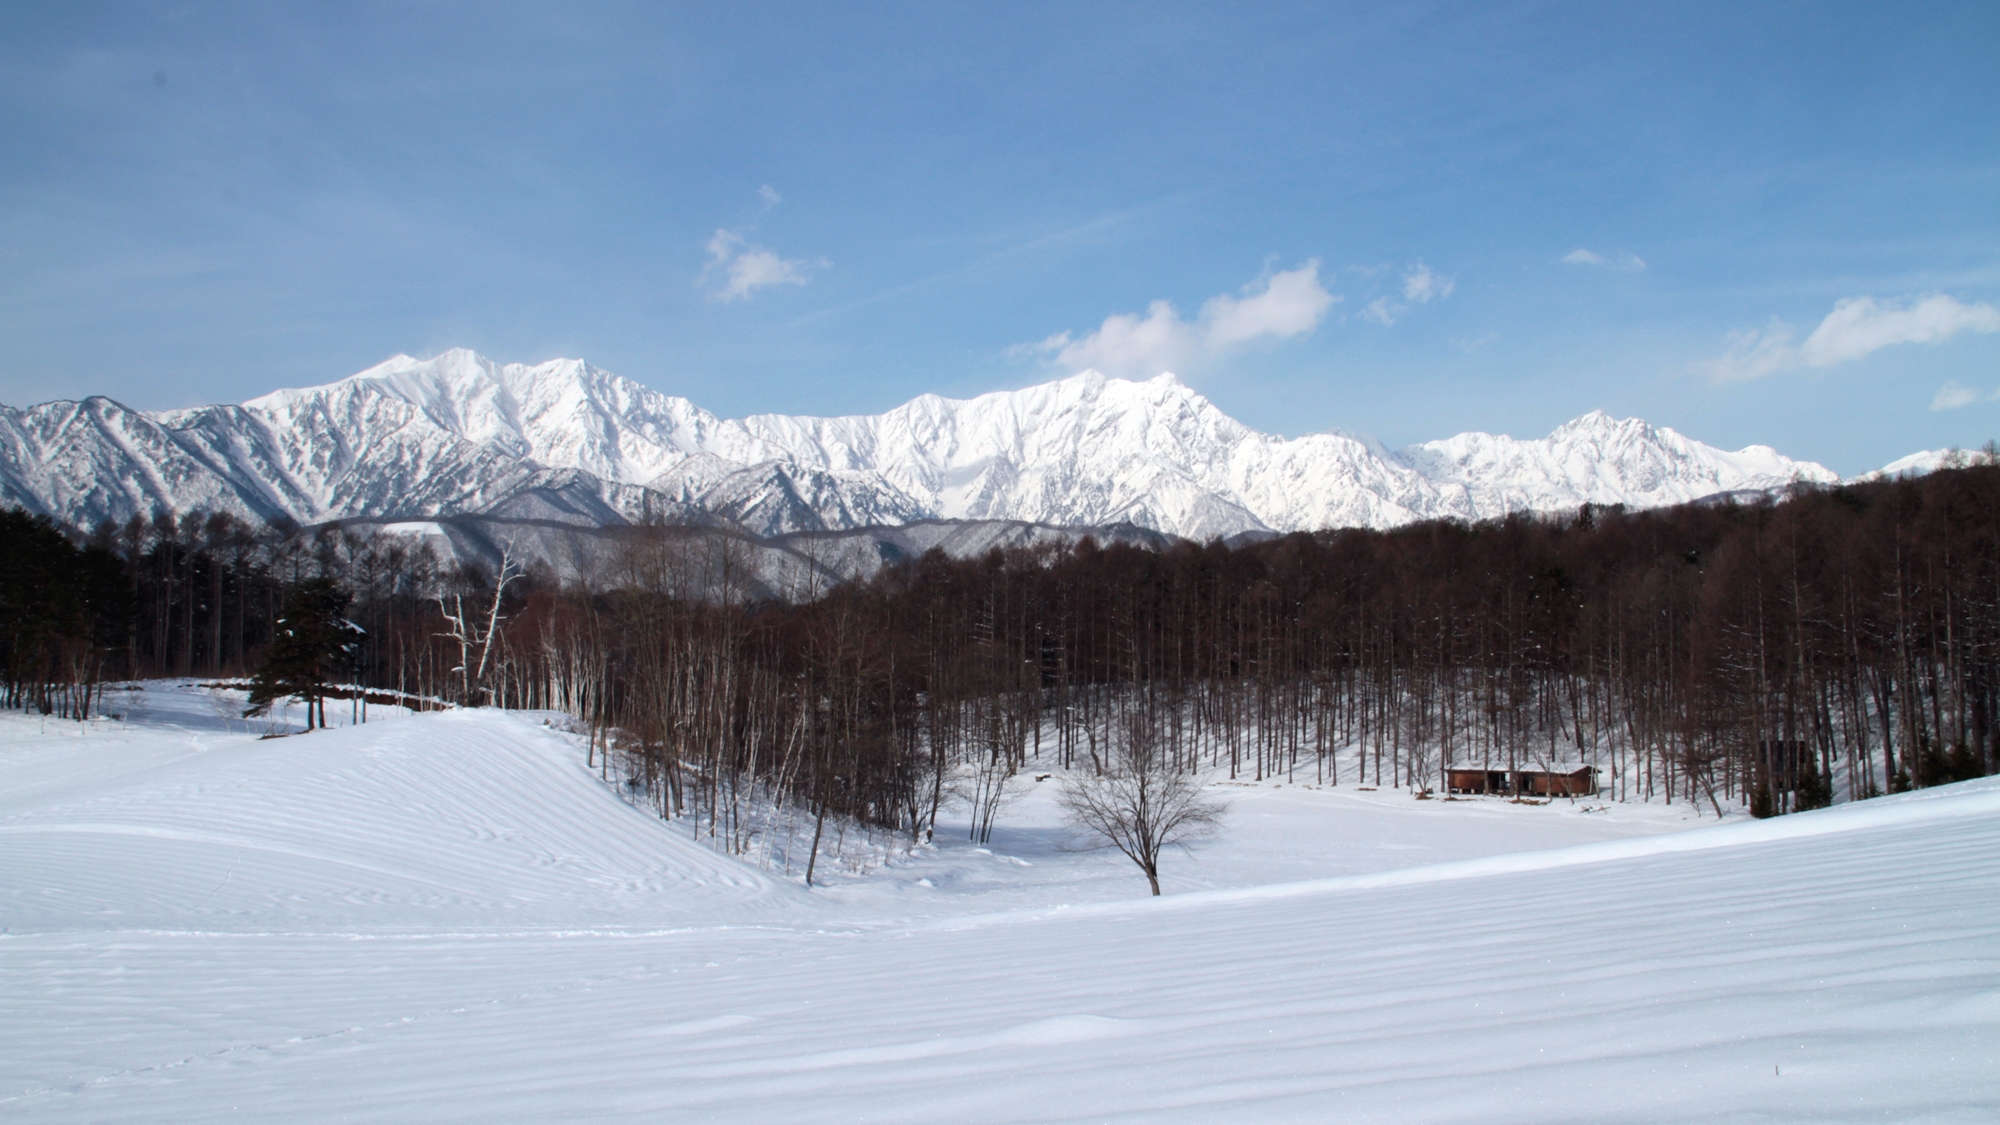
(569, 442)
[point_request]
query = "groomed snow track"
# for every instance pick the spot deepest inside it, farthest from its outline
(447, 918)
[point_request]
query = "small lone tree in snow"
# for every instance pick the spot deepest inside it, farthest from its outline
(314, 641)
(1137, 802)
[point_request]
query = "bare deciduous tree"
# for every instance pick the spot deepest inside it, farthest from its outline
(1140, 804)
(467, 631)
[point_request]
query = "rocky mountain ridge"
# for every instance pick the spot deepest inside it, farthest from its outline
(567, 442)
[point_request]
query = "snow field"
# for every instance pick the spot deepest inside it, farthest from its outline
(446, 917)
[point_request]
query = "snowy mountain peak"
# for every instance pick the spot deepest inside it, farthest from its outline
(1598, 424)
(458, 432)
(562, 413)
(1928, 461)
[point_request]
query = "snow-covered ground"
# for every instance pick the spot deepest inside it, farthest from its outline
(448, 917)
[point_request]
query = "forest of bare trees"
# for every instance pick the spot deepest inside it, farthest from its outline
(1776, 654)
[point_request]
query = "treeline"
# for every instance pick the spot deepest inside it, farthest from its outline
(202, 595)
(1778, 654)
(1770, 654)
(63, 613)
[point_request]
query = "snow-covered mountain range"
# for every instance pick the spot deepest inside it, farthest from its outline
(565, 441)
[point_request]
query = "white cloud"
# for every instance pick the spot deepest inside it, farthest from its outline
(1130, 345)
(1280, 305)
(1951, 396)
(1290, 303)
(1857, 326)
(745, 268)
(1625, 260)
(769, 195)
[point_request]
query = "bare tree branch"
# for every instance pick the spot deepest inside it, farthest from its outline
(1140, 804)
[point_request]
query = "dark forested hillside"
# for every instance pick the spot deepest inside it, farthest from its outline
(63, 611)
(1779, 654)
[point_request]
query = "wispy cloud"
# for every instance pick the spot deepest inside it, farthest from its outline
(1857, 327)
(1276, 306)
(1421, 285)
(769, 196)
(1953, 395)
(1053, 241)
(1624, 260)
(1382, 311)
(1753, 354)
(745, 268)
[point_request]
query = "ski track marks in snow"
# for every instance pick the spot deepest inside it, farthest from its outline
(369, 826)
(446, 918)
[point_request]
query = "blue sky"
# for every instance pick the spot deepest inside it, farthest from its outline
(1752, 222)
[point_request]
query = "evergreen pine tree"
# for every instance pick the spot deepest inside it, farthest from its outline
(314, 642)
(1815, 788)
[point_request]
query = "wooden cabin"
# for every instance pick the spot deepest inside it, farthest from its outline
(1523, 783)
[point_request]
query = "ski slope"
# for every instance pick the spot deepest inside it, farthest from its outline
(447, 917)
